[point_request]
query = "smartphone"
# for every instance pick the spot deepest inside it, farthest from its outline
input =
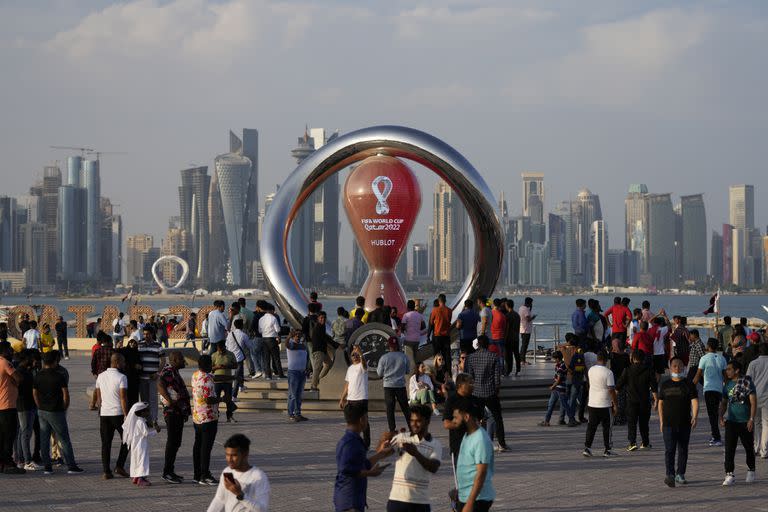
(229, 476)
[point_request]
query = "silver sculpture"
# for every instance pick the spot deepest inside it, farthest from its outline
(397, 141)
(184, 273)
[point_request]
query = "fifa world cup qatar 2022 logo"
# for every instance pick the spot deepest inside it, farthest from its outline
(382, 199)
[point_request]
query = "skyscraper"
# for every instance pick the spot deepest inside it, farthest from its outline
(91, 182)
(420, 262)
(136, 248)
(727, 240)
(72, 232)
(234, 172)
(661, 240)
(8, 235)
(218, 255)
(49, 212)
(741, 202)
(193, 206)
(694, 225)
(599, 242)
(450, 235)
(314, 239)
(636, 222)
(248, 146)
(533, 196)
(716, 260)
(585, 210)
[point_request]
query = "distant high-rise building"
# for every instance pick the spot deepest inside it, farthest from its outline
(193, 209)
(420, 262)
(661, 229)
(716, 258)
(248, 146)
(556, 249)
(136, 247)
(218, 255)
(314, 239)
(359, 266)
(8, 234)
(49, 213)
(173, 245)
(73, 207)
(677, 271)
(694, 226)
(36, 260)
(91, 182)
(599, 243)
(727, 240)
(233, 173)
(74, 164)
(741, 206)
(585, 210)
(636, 222)
(533, 196)
(450, 235)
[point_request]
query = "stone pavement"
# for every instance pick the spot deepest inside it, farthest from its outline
(544, 471)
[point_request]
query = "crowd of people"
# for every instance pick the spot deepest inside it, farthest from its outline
(615, 367)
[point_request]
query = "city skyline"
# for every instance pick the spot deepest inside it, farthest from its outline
(594, 95)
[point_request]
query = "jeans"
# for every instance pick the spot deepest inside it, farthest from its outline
(24, 436)
(205, 436)
(712, 399)
(108, 425)
(735, 432)
(442, 345)
(321, 364)
(494, 405)
(512, 353)
(599, 416)
(56, 422)
(174, 424)
(272, 357)
(562, 397)
(239, 379)
(148, 393)
(8, 419)
(676, 440)
(226, 388)
(638, 413)
(296, 381)
(574, 396)
(761, 430)
(247, 353)
(367, 431)
(390, 396)
(63, 346)
(255, 357)
(526, 339)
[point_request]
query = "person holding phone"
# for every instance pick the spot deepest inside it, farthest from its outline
(241, 486)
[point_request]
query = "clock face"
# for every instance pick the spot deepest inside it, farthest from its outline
(372, 339)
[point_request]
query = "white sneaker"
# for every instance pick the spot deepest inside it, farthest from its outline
(257, 375)
(31, 466)
(729, 480)
(750, 477)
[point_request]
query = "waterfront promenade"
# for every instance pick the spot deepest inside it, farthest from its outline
(543, 471)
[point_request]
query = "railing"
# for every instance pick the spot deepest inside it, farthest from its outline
(540, 340)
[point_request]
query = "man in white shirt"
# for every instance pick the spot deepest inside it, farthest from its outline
(32, 336)
(217, 323)
(270, 337)
(112, 391)
(356, 387)
(420, 455)
(602, 401)
(241, 486)
(526, 327)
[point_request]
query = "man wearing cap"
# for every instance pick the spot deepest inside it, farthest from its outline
(393, 368)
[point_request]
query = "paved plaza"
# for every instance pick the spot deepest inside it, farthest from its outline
(544, 471)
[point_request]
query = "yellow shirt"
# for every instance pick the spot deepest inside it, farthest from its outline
(46, 342)
(365, 316)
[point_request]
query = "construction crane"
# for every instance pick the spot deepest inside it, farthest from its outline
(99, 153)
(82, 151)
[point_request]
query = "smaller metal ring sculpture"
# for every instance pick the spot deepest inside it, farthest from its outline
(184, 273)
(396, 141)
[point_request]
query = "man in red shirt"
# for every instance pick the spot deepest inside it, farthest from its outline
(498, 328)
(620, 316)
(440, 319)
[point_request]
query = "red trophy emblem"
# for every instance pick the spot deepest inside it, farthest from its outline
(382, 199)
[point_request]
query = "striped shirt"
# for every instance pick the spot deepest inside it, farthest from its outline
(149, 356)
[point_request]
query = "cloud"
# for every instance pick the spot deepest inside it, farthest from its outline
(616, 63)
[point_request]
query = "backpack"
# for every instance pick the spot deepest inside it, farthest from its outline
(578, 364)
(118, 326)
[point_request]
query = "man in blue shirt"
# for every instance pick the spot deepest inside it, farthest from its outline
(712, 368)
(393, 368)
(579, 321)
(475, 466)
(467, 326)
(217, 324)
(352, 462)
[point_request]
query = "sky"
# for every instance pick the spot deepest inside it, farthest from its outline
(595, 93)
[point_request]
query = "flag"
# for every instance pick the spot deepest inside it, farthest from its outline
(714, 304)
(128, 297)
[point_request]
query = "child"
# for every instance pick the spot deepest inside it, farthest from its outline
(136, 434)
(558, 389)
(297, 377)
(46, 339)
(421, 389)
